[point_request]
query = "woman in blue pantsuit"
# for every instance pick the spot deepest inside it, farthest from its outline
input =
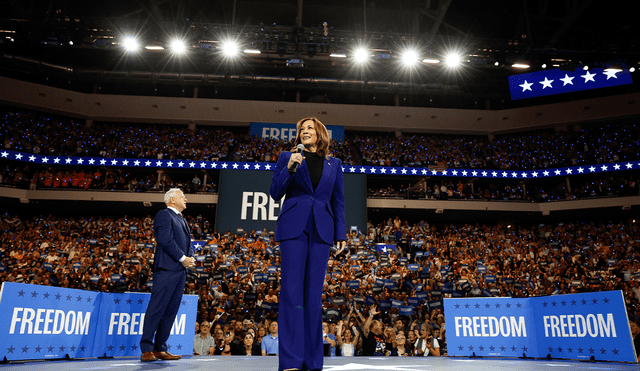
(311, 220)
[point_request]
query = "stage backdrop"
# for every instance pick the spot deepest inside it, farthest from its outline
(44, 322)
(244, 201)
(288, 132)
(576, 326)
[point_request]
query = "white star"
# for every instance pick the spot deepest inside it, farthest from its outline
(444, 172)
(45, 160)
(147, 163)
(92, 161)
(180, 164)
(362, 170)
(343, 169)
(197, 245)
(170, 163)
(474, 173)
(404, 171)
(214, 165)
(246, 166)
(56, 160)
(580, 170)
(358, 366)
(557, 172)
(257, 166)
(114, 162)
(464, 173)
(5, 154)
(383, 171)
(610, 73)
(592, 169)
(203, 165)
(424, 172)
(352, 169)
(514, 174)
(569, 171)
(136, 163)
(494, 174)
(504, 174)
(80, 161)
(455, 172)
(588, 77)
(235, 166)
(629, 165)
(67, 160)
(616, 166)
(604, 168)
(19, 156)
(535, 174)
(159, 163)
(393, 170)
(32, 158)
(435, 172)
(373, 170)
(567, 80)
(546, 83)
(268, 167)
(484, 173)
(524, 175)
(192, 164)
(545, 173)
(526, 86)
(224, 165)
(125, 162)
(103, 161)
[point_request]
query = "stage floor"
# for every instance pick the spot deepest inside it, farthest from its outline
(330, 364)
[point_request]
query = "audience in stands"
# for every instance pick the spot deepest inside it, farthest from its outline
(106, 254)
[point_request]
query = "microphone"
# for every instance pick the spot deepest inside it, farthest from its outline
(299, 149)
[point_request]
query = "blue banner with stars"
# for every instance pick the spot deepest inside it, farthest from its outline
(556, 81)
(575, 326)
(142, 163)
(44, 322)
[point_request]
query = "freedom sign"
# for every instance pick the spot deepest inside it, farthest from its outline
(576, 326)
(44, 322)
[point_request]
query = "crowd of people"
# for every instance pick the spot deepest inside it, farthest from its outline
(237, 279)
(595, 143)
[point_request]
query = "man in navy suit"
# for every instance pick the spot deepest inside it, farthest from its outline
(173, 256)
(311, 220)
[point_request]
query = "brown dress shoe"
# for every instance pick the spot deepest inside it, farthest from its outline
(148, 357)
(166, 356)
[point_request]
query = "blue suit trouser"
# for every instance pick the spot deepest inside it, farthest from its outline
(163, 307)
(303, 267)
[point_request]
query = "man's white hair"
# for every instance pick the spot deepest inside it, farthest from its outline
(170, 193)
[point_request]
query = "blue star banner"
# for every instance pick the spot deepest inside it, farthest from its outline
(44, 322)
(575, 326)
(555, 81)
(347, 169)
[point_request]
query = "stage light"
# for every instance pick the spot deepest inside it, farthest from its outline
(230, 48)
(544, 65)
(585, 68)
(361, 55)
(632, 69)
(453, 60)
(178, 46)
(430, 61)
(337, 55)
(520, 65)
(409, 57)
(130, 44)
(252, 50)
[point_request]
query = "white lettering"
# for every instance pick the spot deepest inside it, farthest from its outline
(259, 205)
(39, 320)
(245, 204)
(179, 325)
(123, 324)
(15, 319)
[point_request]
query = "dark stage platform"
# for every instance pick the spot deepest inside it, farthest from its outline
(233, 363)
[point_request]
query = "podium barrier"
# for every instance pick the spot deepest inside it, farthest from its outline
(575, 326)
(45, 322)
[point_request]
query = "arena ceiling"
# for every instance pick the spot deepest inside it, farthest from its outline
(79, 44)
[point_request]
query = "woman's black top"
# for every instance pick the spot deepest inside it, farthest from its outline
(314, 164)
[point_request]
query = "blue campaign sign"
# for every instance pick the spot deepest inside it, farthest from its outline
(45, 322)
(576, 326)
(287, 132)
(555, 81)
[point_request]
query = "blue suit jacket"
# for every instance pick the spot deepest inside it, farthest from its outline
(326, 202)
(173, 239)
